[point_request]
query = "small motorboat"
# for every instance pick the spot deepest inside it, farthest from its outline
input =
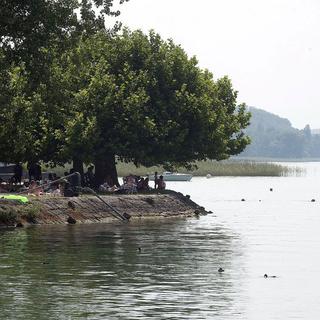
(173, 176)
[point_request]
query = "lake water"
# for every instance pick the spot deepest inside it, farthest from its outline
(97, 271)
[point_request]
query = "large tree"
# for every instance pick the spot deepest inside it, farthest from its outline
(27, 26)
(139, 98)
(73, 91)
(32, 34)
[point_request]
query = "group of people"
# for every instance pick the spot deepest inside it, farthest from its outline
(133, 184)
(68, 185)
(34, 172)
(72, 182)
(32, 187)
(130, 184)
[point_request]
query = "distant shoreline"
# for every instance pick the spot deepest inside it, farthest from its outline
(266, 159)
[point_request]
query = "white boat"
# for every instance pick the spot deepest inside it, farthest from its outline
(173, 176)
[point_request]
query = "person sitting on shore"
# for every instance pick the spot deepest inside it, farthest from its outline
(56, 190)
(69, 191)
(34, 189)
(161, 183)
(105, 187)
(143, 184)
(140, 184)
(89, 177)
(146, 184)
(129, 185)
(2, 189)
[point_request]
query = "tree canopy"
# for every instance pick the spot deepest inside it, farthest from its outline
(30, 28)
(110, 96)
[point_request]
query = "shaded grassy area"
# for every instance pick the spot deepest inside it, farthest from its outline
(221, 168)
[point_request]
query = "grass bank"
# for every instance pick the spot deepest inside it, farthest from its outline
(222, 168)
(12, 213)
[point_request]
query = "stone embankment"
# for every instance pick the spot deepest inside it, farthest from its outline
(90, 209)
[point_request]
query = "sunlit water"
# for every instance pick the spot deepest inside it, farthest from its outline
(97, 271)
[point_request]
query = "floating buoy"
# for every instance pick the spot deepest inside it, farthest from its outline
(243, 199)
(208, 176)
(271, 189)
(313, 200)
(220, 270)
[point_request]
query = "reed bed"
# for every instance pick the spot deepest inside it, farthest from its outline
(221, 168)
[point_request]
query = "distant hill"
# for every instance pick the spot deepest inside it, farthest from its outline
(274, 137)
(315, 131)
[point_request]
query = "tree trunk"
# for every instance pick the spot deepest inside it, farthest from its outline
(78, 167)
(105, 170)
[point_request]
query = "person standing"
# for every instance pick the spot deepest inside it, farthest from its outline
(156, 180)
(17, 173)
(75, 178)
(37, 172)
(31, 171)
(89, 177)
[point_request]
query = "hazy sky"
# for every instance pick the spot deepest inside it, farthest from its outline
(269, 48)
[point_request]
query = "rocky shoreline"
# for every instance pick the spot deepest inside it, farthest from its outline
(46, 210)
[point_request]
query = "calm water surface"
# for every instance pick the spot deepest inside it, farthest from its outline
(97, 271)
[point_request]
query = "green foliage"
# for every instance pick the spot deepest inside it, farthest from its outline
(142, 99)
(31, 27)
(30, 212)
(16, 113)
(11, 214)
(32, 34)
(87, 94)
(8, 216)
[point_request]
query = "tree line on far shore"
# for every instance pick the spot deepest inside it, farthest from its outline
(274, 137)
(73, 91)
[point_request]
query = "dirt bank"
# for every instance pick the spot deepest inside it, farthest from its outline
(90, 209)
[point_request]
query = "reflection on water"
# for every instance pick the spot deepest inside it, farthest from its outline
(97, 271)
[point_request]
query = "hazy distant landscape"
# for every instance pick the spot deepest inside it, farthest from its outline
(274, 137)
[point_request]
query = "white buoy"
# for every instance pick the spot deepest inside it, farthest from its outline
(209, 176)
